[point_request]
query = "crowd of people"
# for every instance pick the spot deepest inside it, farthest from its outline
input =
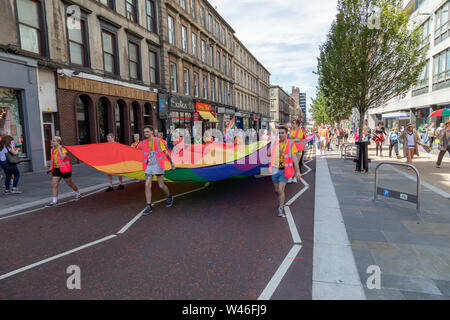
(286, 168)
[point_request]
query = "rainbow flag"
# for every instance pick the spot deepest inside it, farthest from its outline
(426, 148)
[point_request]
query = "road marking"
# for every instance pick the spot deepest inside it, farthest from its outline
(83, 195)
(7, 275)
(291, 256)
(279, 274)
(295, 235)
(136, 218)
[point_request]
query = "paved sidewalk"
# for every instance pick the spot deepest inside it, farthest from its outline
(36, 188)
(411, 248)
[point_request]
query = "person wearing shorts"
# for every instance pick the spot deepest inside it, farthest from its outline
(279, 178)
(153, 168)
(58, 151)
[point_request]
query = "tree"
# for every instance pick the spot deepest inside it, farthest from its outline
(372, 54)
(318, 109)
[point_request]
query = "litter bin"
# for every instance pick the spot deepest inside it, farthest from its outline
(362, 158)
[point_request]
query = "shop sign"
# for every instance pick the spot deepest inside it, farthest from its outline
(195, 116)
(181, 103)
(199, 106)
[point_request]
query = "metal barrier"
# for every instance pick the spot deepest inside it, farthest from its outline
(350, 156)
(341, 148)
(396, 194)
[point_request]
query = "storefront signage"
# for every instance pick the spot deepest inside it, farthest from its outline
(181, 103)
(202, 107)
(195, 116)
(225, 111)
(163, 107)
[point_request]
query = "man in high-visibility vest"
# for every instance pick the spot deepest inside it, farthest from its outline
(283, 165)
(136, 142)
(155, 159)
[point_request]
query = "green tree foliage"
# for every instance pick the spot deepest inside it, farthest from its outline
(371, 55)
(318, 110)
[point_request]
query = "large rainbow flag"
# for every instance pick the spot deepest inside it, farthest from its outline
(194, 163)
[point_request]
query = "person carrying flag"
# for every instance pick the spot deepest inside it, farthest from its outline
(154, 157)
(283, 165)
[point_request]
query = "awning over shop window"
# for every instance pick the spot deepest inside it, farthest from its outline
(207, 116)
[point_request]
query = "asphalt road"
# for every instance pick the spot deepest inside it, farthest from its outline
(221, 242)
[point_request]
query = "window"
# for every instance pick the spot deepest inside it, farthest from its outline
(108, 3)
(173, 77)
(210, 23)
(218, 60)
(193, 13)
(77, 45)
(213, 89)
(150, 15)
(109, 52)
(219, 88)
(441, 24)
(225, 93)
(194, 45)
(171, 30)
(186, 81)
(217, 30)
(133, 60)
(11, 116)
(205, 87)
(423, 77)
(224, 64)
(196, 89)
(211, 56)
(184, 38)
(130, 6)
(152, 64)
(229, 41)
(82, 106)
(230, 67)
(223, 34)
(202, 16)
(183, 4)
(203, 51)
(30, 28)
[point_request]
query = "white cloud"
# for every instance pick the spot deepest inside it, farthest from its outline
(284, 35)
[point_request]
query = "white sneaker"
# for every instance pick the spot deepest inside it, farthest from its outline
(78, 196)
(281, 213)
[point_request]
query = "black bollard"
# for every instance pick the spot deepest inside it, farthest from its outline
(362, 159)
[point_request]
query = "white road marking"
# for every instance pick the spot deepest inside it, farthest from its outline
(9, 274)
(282, 269)
(295, 235)
(279, 274)
(83, 195)
(136, 218)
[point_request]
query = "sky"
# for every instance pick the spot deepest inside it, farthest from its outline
(284, 35)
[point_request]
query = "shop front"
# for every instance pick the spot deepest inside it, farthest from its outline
(20, 116)
(422, 118)
(207, 115)
(181, 113)
(398, 118)
(224, 116)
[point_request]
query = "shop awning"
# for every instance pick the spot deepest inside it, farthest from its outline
(207, 116)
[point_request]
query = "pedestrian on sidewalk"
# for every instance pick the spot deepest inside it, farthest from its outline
(297, 135)
(154, 157)
(411, 138)
(110, 138)
(444, 143)
(136, 141)
(8, 148)
(60, 169)
(393, 142)
(323, 136)
(379, 137)
(431, 134)
(283, 165)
